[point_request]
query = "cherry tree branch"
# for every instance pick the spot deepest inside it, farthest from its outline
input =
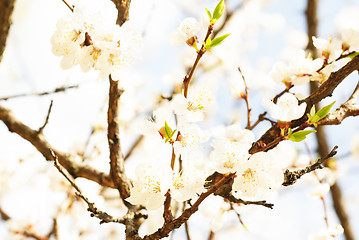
(123, 8)
(167, 215)
(117, 170)
(39, 142)
(325, 90)
(7, 7)
(290, 177)
(347, 109)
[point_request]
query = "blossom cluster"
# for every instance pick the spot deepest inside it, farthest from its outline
(90, 37)
(303, 68)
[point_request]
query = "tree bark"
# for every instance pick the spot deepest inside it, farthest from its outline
(6, 9)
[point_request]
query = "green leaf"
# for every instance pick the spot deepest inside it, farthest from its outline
(219, 10)
(353, 55)
(322, 112)
(168, 131)
(209, 14)
(218, 40)
(208, 43)
(312, 111)
(300, 136)
(173, 132)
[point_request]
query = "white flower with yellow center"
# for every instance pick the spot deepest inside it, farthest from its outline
(192, 109)
(228, 156)
(187, 184)
(258, 176)
(150, 187)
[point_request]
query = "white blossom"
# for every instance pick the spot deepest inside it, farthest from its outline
(156, 125)
(186, 32)
(187, 184)
(286, 109)
(236, 133)
(350, 39)
(297, 71)
(258, 176)
(322, 75)
(328, 233)
(330, 49)
(193, 108)
(191, 136)
(228, 156)
(150, 187)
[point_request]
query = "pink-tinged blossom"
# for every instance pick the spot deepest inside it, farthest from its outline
(350, 40)
(330, 49)
(286, 109)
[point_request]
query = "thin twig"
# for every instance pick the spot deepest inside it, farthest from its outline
(95, 212)
(134, 146)
(239, 216)
(201, 52)
(290, 177)
(57, 90)
(261, 118)
(41, 129)
(68, 5)
(233, 199)
(246, 99)
(54, 229)
(3, 215)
